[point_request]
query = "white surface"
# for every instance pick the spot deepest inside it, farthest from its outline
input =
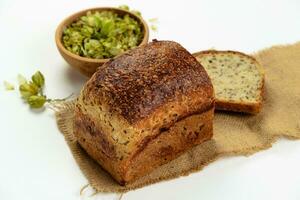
(35, 162)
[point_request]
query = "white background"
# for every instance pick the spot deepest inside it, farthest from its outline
(35, 162)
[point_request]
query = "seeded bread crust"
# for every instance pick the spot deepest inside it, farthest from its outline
(143, 109)
(237, 106)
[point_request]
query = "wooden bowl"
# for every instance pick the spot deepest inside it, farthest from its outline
(88, 66)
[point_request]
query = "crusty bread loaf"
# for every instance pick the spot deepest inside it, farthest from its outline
(143, 109)
(238, 80)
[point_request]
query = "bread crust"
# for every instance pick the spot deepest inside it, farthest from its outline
(251, 108)
(153, 152)
(136, 104)
(138, 82)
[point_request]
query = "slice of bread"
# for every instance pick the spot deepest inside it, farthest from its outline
(238, 80)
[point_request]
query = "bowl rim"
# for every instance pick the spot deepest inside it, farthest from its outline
(76, 15)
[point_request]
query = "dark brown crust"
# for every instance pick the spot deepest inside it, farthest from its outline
(137, 83)
(251, 108)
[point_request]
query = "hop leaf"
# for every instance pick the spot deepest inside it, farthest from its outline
(124, 7)
(35, 101)
(28, 89)
(8, 86)
(153, 27)
(21, 79)
(153, 20)
(38, 79)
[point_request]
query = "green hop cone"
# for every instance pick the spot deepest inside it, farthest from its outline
(36, 101)
(38, 79)
(28, 89)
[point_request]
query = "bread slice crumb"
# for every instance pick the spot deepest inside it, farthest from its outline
(238, 80)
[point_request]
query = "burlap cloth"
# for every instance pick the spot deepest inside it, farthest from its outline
(234, 134)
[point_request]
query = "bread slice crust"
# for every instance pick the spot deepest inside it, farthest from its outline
(238, 106)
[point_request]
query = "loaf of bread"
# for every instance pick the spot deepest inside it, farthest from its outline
(143, 109)
(238, 80)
